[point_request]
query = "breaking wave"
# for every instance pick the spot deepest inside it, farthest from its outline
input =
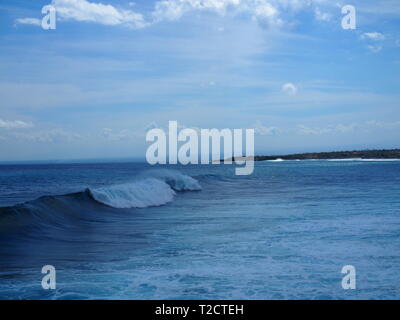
(153, 188)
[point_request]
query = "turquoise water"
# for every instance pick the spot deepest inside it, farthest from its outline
(201, 232)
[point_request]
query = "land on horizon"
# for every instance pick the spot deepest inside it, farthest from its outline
(355, 154)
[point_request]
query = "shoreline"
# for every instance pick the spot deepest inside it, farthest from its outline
(384, 154)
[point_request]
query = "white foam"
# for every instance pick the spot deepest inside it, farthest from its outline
(152, 188)
(140, 194)
(276, 160)
(174, 179)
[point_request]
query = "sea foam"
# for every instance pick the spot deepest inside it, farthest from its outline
(153, 188)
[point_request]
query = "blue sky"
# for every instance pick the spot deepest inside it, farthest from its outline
(111, 70)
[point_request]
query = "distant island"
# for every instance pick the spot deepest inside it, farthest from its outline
(360, 154)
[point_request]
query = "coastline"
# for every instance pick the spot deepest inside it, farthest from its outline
(333, 155)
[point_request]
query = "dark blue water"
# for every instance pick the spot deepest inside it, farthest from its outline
(126, 230)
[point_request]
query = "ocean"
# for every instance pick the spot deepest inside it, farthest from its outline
(131, 231)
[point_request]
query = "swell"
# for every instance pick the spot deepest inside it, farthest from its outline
(153, 188)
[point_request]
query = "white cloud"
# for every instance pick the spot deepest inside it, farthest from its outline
(16, 124)
(30, 21)
(267, 12)
(126, 134)
(322, 16)
(381, 124)
(83, 10)
(260, 129)
(375, 48)
(47, 136)
(375, 36)
(289, 88)
(113, 135)
(348, 128)
(175, 9)
(340, 128)
(264, 11)
(312, 131)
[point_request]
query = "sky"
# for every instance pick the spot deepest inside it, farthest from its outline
(111, 70)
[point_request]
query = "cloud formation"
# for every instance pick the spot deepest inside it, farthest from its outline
(16, 124)
(266, 12)
(375, 36)
(262, 130)
(289, 88)
(347, 128)
(30, 21)
(83, 10)
(322, 16)
(375, 39)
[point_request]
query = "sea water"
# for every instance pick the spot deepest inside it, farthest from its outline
(131, 231)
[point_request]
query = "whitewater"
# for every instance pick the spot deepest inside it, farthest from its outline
(154, 188)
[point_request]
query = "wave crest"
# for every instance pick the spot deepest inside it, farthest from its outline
(140, 194)
(153, 188)
(175, 179)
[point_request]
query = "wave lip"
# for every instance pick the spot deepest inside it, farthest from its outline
(175, 179)
(154, 188)
(141, 194)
